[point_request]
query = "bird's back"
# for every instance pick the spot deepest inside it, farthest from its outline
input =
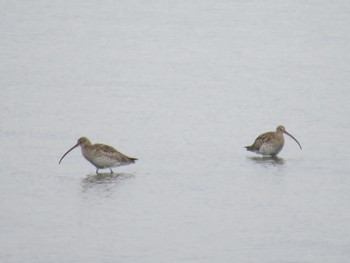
(260, 140)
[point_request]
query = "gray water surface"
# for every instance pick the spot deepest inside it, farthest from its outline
(183, 87)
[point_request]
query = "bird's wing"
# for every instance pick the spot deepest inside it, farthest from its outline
(110, 151)
(263, 138)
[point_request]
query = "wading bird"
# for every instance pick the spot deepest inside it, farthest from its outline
(270, 143)
(100, 155)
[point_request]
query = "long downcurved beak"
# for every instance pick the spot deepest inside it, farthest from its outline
(293, 139)
(68, 152)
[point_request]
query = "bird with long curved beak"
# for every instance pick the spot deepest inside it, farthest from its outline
(270, 143)
(100, 155)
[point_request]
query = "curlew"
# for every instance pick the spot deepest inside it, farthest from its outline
(100, 155)
(270, 143)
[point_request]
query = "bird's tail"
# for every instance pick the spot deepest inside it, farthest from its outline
(249, 148)
(133, 159)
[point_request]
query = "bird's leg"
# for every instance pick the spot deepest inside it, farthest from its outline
(97, 171)
(111, 170)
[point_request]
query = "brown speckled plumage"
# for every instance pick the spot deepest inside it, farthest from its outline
(101, 155)
(270, 143)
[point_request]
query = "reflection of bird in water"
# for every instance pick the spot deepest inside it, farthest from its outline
(104, 181)
(101, 155)
(268, 160)
(106, 178)
(270, 143)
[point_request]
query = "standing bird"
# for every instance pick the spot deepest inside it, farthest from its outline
(270, 143)
(101, 155)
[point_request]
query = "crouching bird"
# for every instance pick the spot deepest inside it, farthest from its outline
(270, 143)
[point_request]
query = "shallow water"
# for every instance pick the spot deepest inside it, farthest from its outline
(183, 87)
